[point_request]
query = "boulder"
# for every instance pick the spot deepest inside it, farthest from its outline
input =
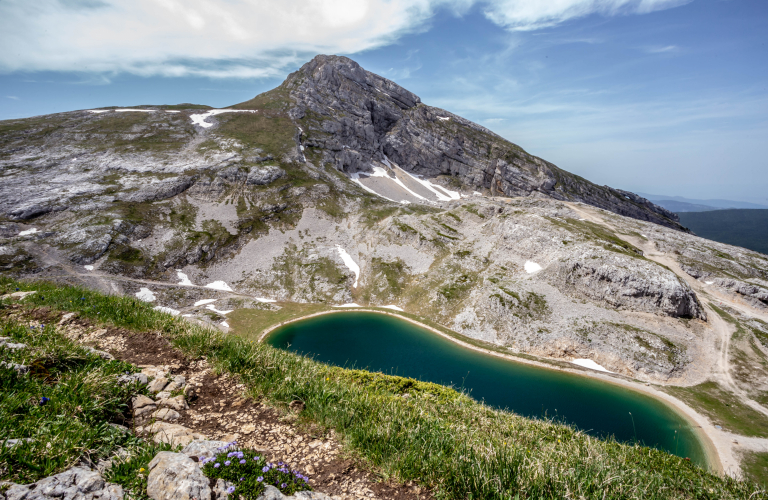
(175, 476)
(177, 403)
(133, 378)
(157, 384)
(173, 434)
(77, 483)
(203, 448)
(166, 414)
(261, 176)
(141, 401)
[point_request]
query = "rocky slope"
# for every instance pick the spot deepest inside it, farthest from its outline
(293, 197)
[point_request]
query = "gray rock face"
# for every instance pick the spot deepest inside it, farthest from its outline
(203, 448)
(355, 117)
(76, 483)
(175, 476)
(754, 292)
(159, 191)
(262, 176)
(641, 287)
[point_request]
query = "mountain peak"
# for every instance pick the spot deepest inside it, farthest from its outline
(357, 120)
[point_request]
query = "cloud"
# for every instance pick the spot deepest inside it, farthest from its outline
(661, 50)
(15, 98)
(526, 15)
(241, 38)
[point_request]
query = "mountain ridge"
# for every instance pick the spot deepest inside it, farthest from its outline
(355, 117)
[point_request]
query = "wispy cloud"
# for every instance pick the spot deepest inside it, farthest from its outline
(246, 38)
(662, 49)
(15, 98)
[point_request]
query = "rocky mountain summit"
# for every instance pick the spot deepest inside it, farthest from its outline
(340, 187)
(357, 118)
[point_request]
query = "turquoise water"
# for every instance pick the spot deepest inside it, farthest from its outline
(381, 343)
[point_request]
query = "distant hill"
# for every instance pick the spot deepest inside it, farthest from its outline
(710, 204)
(744, 228)
(681, 206)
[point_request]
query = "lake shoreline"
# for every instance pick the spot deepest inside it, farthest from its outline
(716, 451)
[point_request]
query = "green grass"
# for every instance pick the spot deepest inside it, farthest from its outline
(755, 467)
(460, 448)
(722, 408)
(83, 398)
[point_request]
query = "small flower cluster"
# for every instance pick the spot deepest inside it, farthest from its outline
(251, 473)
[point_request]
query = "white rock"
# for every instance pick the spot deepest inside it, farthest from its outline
(146, 295)
(175, 476)
(532, 267)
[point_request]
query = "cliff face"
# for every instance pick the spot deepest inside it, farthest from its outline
(355, 117)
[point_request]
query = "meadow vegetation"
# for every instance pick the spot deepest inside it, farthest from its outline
(409, 430)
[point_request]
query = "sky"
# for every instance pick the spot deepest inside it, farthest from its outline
(656, 96)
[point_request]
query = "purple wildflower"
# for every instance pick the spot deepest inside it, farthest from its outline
(242, 461)
(217, 465)
(283, 485)
(231, 489)
(265, 468)
(242, 479)
(260, 478)
(227, 462)
(255, 459)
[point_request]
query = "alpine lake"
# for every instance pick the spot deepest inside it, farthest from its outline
(386, 344)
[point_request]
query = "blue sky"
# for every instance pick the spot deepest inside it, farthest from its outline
(656, 96)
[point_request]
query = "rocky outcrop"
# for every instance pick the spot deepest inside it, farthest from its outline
(629, 283)
(175, 476)
(755, 294)
(159, 191)
(77, 483)
(355, 117)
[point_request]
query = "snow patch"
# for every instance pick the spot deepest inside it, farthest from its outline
(172, 312)
(444, 118)
(225, 324)
(88, 267)
(146, 295)
(588, 363)
(395, 308)
(709, 282)
(644, 236)
(349, 263)
(219, 285)
(184, 278)
(200, 119)
(439, 191)
(356, 179)
(132, 109)
(349, 305)
(213, 308)
(267, 301)
(204, 302)
(28, 231)
(532, 267)
(172, 111)
(97, 111)
(475, 193)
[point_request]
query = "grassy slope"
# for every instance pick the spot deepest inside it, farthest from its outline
(744, 228)
(83, 398)
(437, 436)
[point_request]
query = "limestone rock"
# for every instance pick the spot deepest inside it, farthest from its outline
(76, 483)
(220, 489)
(174, 434)
(141, 401)
(20, 369)
(177, 403)
(101, 354)
(144, 410)
(175, 476)
(203, 448)
(133, 378)
(367, 118)
(261, 176)
(178, 382)
(157, 384)
(159, 191)
(166, 414)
